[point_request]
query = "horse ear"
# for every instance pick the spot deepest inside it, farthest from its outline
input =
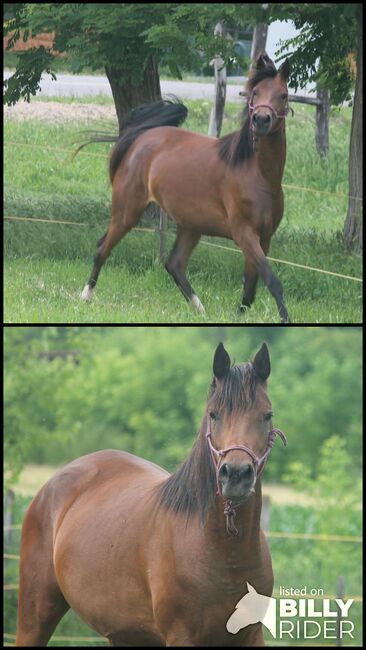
(284, 70)
(264, 61)
(262, 364)
(221, 364)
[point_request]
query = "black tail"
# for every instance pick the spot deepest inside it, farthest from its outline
(166, 112)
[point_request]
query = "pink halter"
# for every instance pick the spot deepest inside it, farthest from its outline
(259, 463)
(253, 108)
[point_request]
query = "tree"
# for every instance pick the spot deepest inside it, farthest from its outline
(91, 35)
(352, 233)
(128, 40)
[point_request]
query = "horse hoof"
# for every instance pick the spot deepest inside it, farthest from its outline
(243, 308)
(87, 293)
(286, 321)
(196, 304)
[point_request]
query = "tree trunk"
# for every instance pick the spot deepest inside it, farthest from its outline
(322, 121)
(126, 95)
(352, 233)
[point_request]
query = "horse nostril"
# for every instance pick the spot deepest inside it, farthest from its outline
(261, 121)
(233, 474)
(225, 472)
(246, 472)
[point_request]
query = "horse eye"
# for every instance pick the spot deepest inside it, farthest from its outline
(213, 415)
(268, 416)
(284, 97)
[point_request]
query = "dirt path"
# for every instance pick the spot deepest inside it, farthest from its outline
(57, 112)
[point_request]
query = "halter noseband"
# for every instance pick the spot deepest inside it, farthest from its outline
(275, 115)
(258, 462)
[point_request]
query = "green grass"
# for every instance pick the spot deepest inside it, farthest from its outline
(138, 290)
(47, 265)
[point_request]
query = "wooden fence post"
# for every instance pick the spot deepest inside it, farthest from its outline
(8, 519)
(217, 112)
(322, 113)
(266, 513)
(8, 516)
(340, 594)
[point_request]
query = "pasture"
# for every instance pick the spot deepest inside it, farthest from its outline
(46, 265)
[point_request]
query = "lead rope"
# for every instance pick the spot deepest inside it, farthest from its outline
(230, 513)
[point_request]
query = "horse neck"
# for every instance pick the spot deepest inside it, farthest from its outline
(271, 156)
(247, 522)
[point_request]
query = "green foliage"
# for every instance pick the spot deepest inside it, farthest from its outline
(33, 394)
(319, 53)
(318, 391)
(335, 487)
(180, 36)
(332, 481)
(26, 79)
(144, 390)
(121, 36)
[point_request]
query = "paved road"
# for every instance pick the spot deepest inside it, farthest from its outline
(79, 85)
(89, 85)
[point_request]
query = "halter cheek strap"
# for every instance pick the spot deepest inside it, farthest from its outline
(275, 115)
(258, 462)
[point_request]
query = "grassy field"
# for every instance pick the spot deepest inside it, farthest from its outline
(46, 265)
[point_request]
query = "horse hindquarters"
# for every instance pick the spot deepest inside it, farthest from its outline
(41, 604)
(128, 204)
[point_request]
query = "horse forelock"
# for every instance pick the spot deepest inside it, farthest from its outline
(257, 76)
(237, 390)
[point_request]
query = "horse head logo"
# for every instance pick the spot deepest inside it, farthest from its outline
(253, 608)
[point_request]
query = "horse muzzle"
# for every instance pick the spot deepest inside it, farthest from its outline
(261, 124)
(237, 481)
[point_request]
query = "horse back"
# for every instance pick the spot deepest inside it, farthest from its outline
(85, 475)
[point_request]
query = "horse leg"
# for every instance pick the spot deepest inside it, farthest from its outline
(250, 284)
(248, 240)
(177, 262)
(121, 223)
(41, 604)
(251, 278)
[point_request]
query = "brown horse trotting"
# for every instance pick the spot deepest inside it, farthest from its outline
(228, 187)
(146, 558)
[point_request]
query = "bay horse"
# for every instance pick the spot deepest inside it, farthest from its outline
(151, 559)
(228, 187)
